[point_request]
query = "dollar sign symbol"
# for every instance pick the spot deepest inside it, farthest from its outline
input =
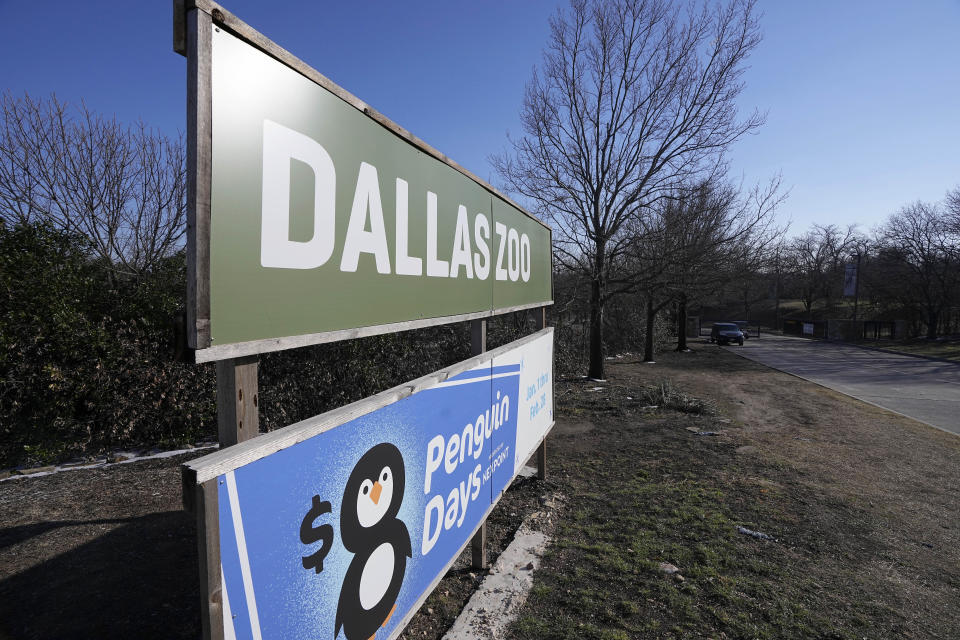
(310, 534)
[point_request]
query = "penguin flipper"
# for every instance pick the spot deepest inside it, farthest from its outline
(405, 540)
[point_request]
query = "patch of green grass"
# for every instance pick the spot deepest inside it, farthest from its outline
(623, 523)
(627, 608)
(532, 627)
(947, 349)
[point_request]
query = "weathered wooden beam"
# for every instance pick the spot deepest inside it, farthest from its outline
(478, 337)
(539, 318)
(238, 349)
(180, 27)
(238, 402)
(542, 459)
(208, 550)
(478, 546)
(540, 322)
(234, 457)
(199, 38)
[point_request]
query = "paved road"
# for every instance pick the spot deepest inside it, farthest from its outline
(927, 390)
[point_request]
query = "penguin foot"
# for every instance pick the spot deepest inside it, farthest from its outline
(389, 615)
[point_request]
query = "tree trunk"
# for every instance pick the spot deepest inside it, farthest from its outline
(682, 322)
(648, 338)
(596, 313)
(776, 313)
(596, 330)
(932, 319)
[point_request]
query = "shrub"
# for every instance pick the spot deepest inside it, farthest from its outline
(87, 357)
(85, 367)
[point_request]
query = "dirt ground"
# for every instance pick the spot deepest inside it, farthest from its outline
(109, 553)
(860, 505)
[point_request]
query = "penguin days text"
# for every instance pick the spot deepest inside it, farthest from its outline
(441, 514)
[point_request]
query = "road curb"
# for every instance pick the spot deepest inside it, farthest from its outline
(110, 460)
(497, 601)
(895, 353)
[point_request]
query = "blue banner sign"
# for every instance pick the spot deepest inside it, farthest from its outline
(343, 535)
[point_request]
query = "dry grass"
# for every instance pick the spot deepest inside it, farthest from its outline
(861, 502)
(947, 349)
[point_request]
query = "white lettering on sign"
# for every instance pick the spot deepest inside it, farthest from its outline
(448, 454)
(277, 250)
(513, 250)
(461, 246)
(366, 228)
(359, 240)
(407, 265)
(435, 267)
(502, 234)
(481, 233)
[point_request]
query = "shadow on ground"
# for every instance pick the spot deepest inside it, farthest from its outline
(138, 580)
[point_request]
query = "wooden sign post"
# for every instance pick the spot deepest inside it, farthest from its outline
(478, 546)
(540, 322)
(238, 401)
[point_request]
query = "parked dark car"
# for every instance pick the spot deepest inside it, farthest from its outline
(744, 329)
(725, 333)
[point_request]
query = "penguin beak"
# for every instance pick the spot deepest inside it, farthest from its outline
(375, 492)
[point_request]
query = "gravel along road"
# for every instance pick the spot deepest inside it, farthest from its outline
(926, 390)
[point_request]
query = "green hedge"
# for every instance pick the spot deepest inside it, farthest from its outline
(86, 363)
(87, 358)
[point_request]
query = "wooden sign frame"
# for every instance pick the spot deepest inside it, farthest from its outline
(201, 476)
(237, 385)
(194, 21)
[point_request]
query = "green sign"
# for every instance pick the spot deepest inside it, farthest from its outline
(322, 219)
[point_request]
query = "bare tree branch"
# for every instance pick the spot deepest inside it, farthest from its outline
(124, 188)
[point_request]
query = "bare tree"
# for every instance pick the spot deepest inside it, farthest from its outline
(122, 187)
(952, 205)
(815, 261)
(920, 244)
(698, 240)
(634, 98)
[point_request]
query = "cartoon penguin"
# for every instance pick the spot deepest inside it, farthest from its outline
(380, 542)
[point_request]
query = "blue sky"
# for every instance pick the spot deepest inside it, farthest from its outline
(863, 98)
(863, 103)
